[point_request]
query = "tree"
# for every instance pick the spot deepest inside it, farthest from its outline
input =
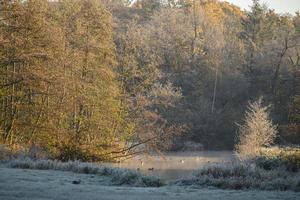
(28, 46)
(93, 115)
(257, 131)
(253, 26)
(90, 79)
(150, 95)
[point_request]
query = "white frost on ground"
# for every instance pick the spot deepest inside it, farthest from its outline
(20, 184)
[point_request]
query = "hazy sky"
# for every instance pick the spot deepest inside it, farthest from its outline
(281, 6)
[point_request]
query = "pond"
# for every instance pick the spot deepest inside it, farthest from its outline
(175, 165)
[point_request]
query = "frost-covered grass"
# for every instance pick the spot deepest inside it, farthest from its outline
(273, 169)
(243, 176)
(118, 176)
(237, 175)
(19, 184)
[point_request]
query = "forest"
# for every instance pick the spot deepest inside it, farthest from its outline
(97, 80)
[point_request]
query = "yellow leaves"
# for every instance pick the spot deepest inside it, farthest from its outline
(66, 60)
(231, 9)
(218, 12)
(214, 13)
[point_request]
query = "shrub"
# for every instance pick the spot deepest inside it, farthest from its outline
(279, 158)
(68, 152)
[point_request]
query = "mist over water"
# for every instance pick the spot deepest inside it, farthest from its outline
(175, 165)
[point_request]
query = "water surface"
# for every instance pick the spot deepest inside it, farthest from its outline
(175, 165)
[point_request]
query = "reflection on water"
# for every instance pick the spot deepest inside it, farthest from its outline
(175, 165)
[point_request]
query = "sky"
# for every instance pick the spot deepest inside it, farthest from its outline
(280, 6)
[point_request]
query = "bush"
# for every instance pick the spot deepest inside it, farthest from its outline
(279, 158)
(68, 152)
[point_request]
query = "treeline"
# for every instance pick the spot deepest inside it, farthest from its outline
(59, 88)
(98, 80)
(220, 57)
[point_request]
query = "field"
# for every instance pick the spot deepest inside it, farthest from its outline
(24, 184)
